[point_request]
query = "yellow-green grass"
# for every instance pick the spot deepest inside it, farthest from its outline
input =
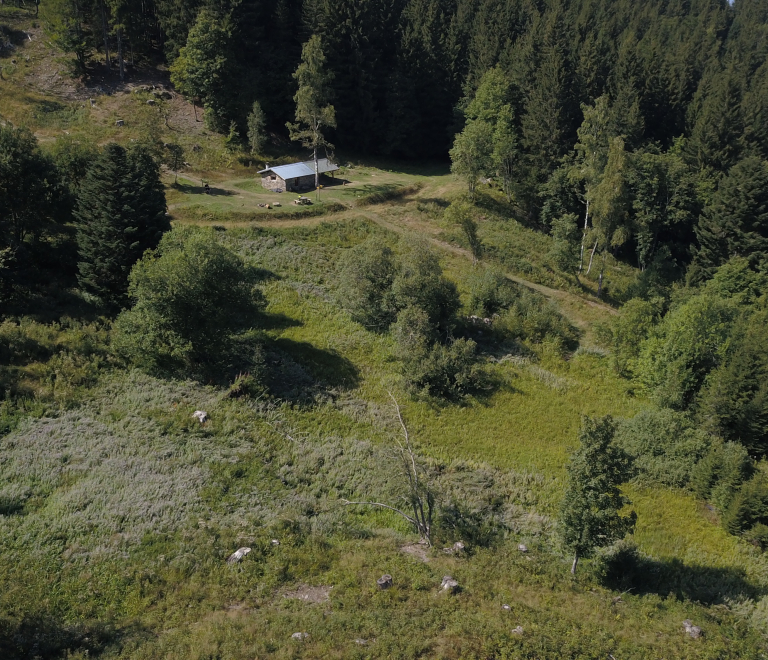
(529, 424)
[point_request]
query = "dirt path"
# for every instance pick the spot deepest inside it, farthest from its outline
(572, 306)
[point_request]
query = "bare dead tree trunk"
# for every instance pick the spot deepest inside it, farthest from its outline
(420, 497)
(575, 562)
(584, 238)
(592, 256)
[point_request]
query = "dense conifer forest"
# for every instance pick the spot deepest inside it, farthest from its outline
(494, 386)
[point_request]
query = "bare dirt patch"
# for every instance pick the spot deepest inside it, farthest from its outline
(309, 594)
(418, 550)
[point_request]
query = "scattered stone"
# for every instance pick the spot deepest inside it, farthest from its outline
(385, 581)
(693, 631)
(517, 631)
(200, 415)
(505, 607)
(237, 555)
(449, 584)
(275, 542)
(300, 635)
(522, 547)
(455, 548)
(151, 102)
(361, 642)
(119, 122)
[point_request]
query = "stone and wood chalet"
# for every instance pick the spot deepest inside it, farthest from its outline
(296, 176)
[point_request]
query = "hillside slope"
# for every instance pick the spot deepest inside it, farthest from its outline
(119, 509)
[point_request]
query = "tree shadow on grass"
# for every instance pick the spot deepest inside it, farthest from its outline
(189, 189)
(628, 570)
(500, 207)
(279, 322)
(44, 637)
(324, 367)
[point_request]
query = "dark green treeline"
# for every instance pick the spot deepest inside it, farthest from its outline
(402, 67)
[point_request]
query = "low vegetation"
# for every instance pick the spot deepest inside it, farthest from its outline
(224, 417)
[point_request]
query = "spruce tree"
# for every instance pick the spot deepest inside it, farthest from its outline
(736, 222)
(256, 121)
(734, 402)
(717, 134)
(121, 213)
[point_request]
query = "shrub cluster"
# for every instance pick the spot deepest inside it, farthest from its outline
(408, 293)
(664, 445)
(520, 313)
(196, 309)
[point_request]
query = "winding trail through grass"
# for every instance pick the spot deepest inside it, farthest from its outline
(571, 305)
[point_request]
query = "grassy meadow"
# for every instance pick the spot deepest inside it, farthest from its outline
(118, 509)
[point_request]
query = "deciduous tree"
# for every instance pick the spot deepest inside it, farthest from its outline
(314, 112)
(192, 298)
(471, 153)
(205, 66)
(591, 512)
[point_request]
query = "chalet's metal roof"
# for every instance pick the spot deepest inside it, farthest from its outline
(307, 168)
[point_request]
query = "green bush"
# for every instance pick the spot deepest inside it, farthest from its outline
(490, 292)
(420, 283)
(533, 318)
(429, 367)
(681, 351)
(375, 284)
(719, 474)
(632, 325)
(365, 285)
(196, 307)
(664, 444)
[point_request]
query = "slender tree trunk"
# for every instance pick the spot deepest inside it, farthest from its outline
(584, 238)
(575, 562)
(106, 35)
(600, 279)
(120, 52)
(592, 256)
(317, 173)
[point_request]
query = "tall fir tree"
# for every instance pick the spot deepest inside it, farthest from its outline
(120, 213)
(736, 222)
